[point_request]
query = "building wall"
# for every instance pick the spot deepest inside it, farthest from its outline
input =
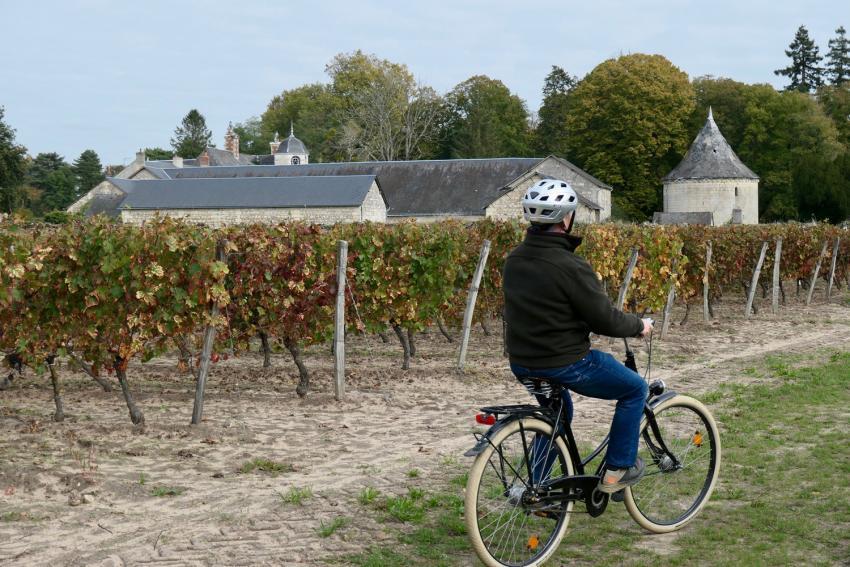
(144, 174)
(509, 205)
(599, 195)
(223, 217)
(716, 196)
(102, 188)
(374, 208)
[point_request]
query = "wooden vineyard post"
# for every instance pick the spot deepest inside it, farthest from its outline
(470, 303)
(621, 299)
(705, 312)
(339, 321)
(832, 268)
(752, 294)
(671, 297)
(776, 256)
(206, 350)
(815, 273)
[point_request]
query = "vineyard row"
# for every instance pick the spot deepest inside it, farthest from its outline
(102, 294)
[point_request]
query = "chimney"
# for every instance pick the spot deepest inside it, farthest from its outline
(231, 141)
(140, 157)
(177, 161)
(204, 159)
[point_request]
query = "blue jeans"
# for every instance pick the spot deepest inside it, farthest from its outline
(600, 375)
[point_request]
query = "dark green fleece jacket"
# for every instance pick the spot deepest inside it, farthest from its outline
(553, 301)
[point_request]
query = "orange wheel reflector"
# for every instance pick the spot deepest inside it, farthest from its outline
(697, 439)
(533, 542)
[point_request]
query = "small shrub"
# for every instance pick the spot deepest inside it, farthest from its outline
(413, 473)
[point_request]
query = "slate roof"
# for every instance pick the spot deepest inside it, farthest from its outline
(425, 187)
(245, 193)
(710, 157)
(291, 145)
(225, 157)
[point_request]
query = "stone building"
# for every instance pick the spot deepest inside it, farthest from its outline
(219, 188)
(710, 179)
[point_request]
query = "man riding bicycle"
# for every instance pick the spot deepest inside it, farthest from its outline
(553, 301)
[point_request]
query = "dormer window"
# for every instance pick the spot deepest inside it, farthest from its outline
(297, 160)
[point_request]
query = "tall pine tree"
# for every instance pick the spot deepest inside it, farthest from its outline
(192, 136)
(804, 72)
(551, 133)
(838, 58)
(88, 170)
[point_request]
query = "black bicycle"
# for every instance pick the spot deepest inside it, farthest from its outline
(528, 473)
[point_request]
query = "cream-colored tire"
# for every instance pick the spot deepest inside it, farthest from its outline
(662, 501)
(483, 477)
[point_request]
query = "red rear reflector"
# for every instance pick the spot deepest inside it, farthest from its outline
(485, 418)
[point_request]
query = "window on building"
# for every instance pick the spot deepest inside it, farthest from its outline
(736, 191)
(296, 160)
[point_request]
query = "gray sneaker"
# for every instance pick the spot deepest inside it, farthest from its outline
(614, 480)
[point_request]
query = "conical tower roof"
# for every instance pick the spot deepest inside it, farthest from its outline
(710, 157)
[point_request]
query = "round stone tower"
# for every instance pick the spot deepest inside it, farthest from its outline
(711, 178)
(291, 151)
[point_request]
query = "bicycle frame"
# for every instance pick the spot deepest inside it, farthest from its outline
(579, 484)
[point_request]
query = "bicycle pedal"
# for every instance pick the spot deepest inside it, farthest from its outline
(619, 496)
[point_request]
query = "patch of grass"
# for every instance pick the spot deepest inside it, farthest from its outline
(448, 461)
(368, 495)
(13, 516)
(405, 508)
(780, 500)
(413, 473)
(265, 465)
(142, 478)
(380, 557)
(296, 495)
(327, 530)
(167, 491)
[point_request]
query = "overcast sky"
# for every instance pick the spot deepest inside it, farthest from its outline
(115, 76)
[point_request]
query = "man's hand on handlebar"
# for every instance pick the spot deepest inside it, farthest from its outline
(647, 326)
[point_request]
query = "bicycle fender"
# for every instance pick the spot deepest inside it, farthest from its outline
(662, 398)
(484, 441)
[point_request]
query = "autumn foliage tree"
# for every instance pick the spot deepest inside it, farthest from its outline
(627, 125)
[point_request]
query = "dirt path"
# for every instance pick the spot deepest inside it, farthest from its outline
(391, 423)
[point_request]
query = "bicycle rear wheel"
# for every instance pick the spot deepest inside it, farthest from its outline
(505, 524)
(669, 496)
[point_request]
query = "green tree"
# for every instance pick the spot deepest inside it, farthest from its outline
(55, 183)
(783, 131)
(835, 100)
(252, 141)
(192, 137)
(12, 168)
(158, 153)
(822, 187)
(804, 72)
(838, 58)
(313, 112)
(782, 136)
(484, 119)
(551, 133)
(384, 114)
(88, 170)
(628, 125)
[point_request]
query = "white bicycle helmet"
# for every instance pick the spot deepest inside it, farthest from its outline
(549, 201)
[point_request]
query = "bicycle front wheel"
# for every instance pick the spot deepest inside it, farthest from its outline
(671, 493)
(507, 519)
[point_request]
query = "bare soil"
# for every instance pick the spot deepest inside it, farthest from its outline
(85, 491)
